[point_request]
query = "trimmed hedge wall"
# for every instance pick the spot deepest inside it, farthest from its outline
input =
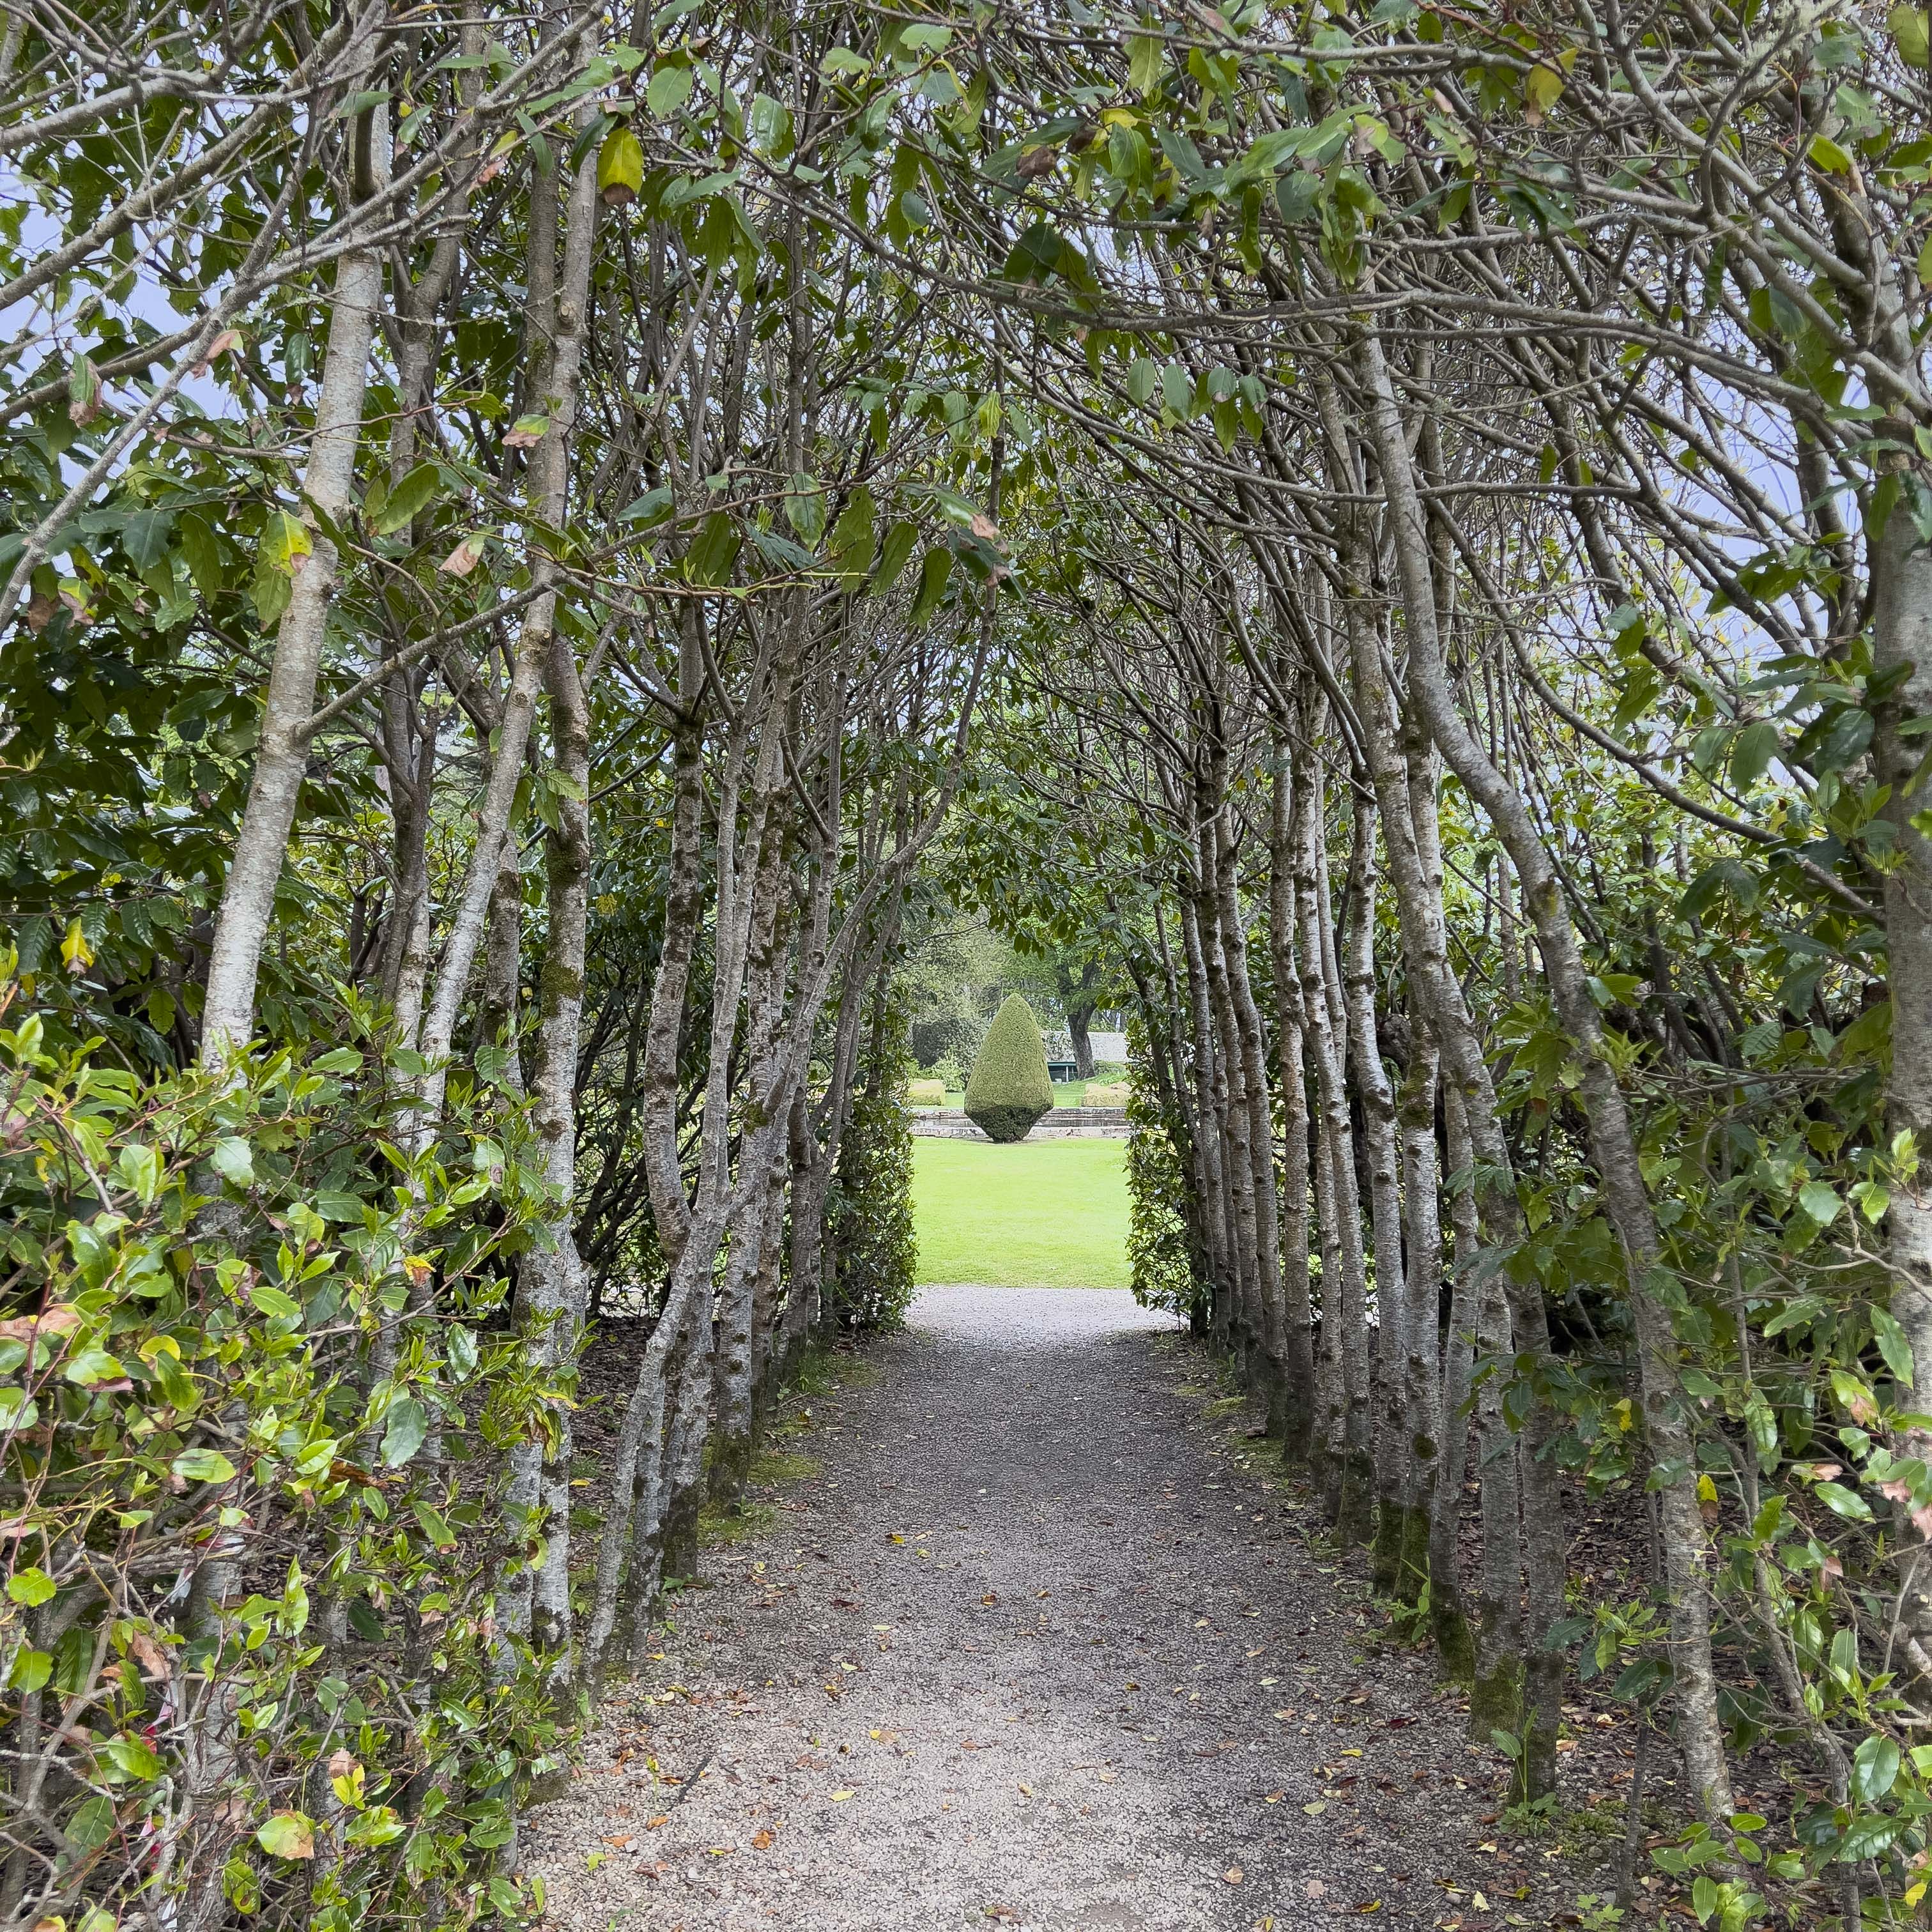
(1009, 1091)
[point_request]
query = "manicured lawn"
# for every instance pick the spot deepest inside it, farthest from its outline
(1039, 1214)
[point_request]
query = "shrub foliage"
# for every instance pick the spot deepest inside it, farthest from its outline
(1009, 1091)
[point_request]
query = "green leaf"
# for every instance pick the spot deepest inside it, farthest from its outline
(714, 550)
(1751, 755)
(288, 1834)
(1908, 25)
(131, 1755)
(404, 1427)
(409, 499)
(145, 539)
(652, 507)
(771, 126)
(620, 166)
(1176, 390)
(853, 535)
(30, 1586)
(274, 1304)
(1820, 1201)
(433, 1526)
(805, 507)
(934, 574)
(202, 1465)
(1143, 378)
(670, 88)
(1874, 1769)
(30, 1670)
(283, 540)
(1868, 1836)
(1147, 56)
(1842, 1501)
(1825, 153)
(203, 554)
(232, 1160)
(901, 540)
(1893, 1346)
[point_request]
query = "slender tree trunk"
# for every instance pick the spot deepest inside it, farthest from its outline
(281, 755)
(1384, 1442)
(1238, 1155)
(1901, 638)
(1448, 1594)
(1297, 1348)
(552, 1283)
(1613, 1144)
(1418, 1467)
(1252, 1043)
(1343, 1292)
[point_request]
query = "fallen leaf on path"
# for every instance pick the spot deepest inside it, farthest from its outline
(761, 1840)
(1369, 1905)
(1481, 1903)
(619, 1844)
(839, 1797)
(1315, 1888)
(1233, 1874)
(1315, 1810)
(1026, 1790)
(991, 1596)
(662, 1818)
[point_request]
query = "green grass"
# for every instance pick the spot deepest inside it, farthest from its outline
(1037, 1214)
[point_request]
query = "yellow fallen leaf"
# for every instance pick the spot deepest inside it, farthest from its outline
(1026, 1791)
(1233, 1874)
(1315, 1810)
(761, 1840)
(839, 1797)
(1481, 1903)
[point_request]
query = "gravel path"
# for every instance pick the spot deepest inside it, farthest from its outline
(1038, 1646)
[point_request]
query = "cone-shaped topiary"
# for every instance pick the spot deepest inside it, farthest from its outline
(1009, 1089)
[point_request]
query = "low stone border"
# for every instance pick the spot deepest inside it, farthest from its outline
(1063, 1124)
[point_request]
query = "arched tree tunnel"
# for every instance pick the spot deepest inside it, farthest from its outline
(604, 613)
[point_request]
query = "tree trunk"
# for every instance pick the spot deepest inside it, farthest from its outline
(1297, 1381)
(1612, 1141)
(281, 755)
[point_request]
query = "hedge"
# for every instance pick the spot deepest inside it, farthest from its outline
(1010, 1089)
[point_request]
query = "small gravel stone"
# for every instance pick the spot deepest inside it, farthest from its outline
(1036, 1649)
